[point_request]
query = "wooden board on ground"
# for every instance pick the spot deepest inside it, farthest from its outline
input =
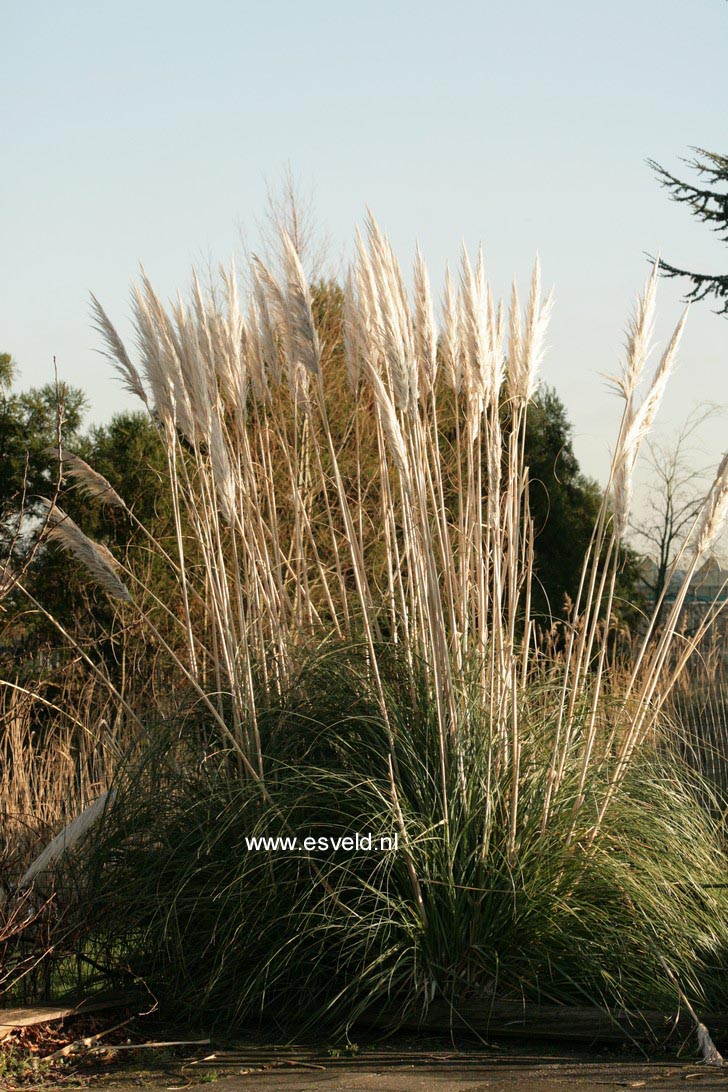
(10, 1019)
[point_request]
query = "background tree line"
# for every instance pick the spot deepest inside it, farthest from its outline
(128, 452)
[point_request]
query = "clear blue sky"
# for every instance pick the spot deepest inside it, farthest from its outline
(148, 132)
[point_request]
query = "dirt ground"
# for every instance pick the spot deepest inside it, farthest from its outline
(392, 1069)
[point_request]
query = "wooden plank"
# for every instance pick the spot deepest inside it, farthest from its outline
(10, 1019)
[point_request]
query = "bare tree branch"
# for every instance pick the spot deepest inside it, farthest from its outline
(675, 497)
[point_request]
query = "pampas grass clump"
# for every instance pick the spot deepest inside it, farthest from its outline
(542, 845)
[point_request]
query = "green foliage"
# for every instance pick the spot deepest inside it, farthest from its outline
(8, 369)
(564, 506)
(127, 451)
(564, 503)
(19, 1068)
(28, 427)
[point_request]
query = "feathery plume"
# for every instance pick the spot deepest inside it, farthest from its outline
(497, 331)
(222, 473)
(714, 511)
(117, 353)
(390, 426)
(366, 284)
(451, 348)
(474, 313)
(515, 343)
(191, 370)
(353, 340)
(96, 559)
(537, 319)
(638, 422)
(254, 353)
(289, 321)
(639, 337)
(265, 325)
(424, 327)
(274, 297)
(643, 418)
(622, 496)
(160, 354)
(222, 329)
(304, 337)
(395, 320)
(89, 480)
(365, 309)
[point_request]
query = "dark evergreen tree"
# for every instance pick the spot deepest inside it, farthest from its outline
(29, 422)
(128, 451)
(708, 200)
(564, 506)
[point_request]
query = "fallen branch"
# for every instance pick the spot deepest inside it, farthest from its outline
(88, 1041)
(150, 1046)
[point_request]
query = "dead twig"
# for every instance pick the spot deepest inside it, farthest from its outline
(87, 1041)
